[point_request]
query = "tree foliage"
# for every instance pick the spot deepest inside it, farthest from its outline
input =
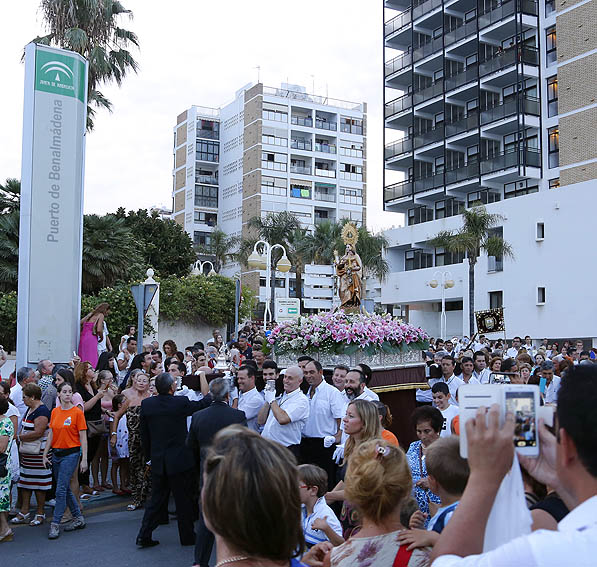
(221, 249)
(10, 195)
(92, 29)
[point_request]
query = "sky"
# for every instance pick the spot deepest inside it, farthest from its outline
(202, 52)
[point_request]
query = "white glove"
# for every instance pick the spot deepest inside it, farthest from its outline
(328, 441)
(338, 454)
(269, 396)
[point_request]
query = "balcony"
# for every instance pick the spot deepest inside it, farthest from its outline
(301, 145)
(351, 129)
(323, 196)
(325, 125)
(398, 148)
(325, 172)
(399, 104)
(206, 179)
(208, 134)
(325, 148)
(469, 171)
(466, 76)
(462, 31)
(398, 63)
(300, 169)
(397, 23)
(506, 9)
(302, 121)
(463, 125)
(434, 181)
(511, 56)
(425, 8)
(321, 220)
(398, 190)
(512, 107)
(429, 137)
(428, 93)
(511, 158)
(433, 46)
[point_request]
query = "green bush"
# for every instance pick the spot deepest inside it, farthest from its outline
(8, 320)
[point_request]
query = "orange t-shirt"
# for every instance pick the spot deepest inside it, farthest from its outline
(389, 437)
(65, 426)
(456, 424)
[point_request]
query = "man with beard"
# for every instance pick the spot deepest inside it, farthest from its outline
(354, 388)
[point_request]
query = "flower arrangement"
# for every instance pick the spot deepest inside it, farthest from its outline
(342, 333)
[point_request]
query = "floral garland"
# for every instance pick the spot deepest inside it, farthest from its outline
(340, 333)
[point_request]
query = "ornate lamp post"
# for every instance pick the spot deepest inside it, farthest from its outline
(446, 283)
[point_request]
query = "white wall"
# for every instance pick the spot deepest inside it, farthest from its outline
(185, 334)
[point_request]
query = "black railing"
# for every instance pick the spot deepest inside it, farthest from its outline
(512, 107)
(511, 56)
(429, 137)
(425, 7)
(398, 105)
(464, 124)
(398, 190)
(462, 173)
(423, 184)
(433, 46)
(398, 148)
(466, 76)
(464, 30)
(400, 21)
(429, 92)
(398, 63)
(511, 158)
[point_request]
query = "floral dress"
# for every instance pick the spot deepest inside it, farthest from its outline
(139, 477)
(418, 470)
(6, 429)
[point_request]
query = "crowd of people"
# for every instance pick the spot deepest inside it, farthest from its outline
(298, 466)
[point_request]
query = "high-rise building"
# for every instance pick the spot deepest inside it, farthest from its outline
(495, 103)
(270, 150)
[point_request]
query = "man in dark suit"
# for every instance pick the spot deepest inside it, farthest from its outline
(163, 434)
(204, 426)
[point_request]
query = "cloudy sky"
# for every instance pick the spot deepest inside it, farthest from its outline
(201, 52)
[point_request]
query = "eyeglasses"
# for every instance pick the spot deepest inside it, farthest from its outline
(303, 486)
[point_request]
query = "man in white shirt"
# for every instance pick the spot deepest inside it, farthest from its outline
(568, 465)
(528, 345)
(512, 352)
(339, 377)
(441, 400)
(481, 372)
(322, 429)
(249, 400)
(449, 378)
(125, 359)
(366, 370)
(24, 376)
(285, 417)
(467, 366)
(552, 383)
(355, 387)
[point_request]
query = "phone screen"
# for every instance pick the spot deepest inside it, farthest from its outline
(522, 405)
(499, 378)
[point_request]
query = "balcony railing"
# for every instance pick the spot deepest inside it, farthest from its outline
(301, 145)
(425, 7)
(325, 148)
(330, 198)
(398, 190)
(466, 76)
(325, 125)
(325, 172)
(302, 121)
(351, 129)
(399, 147)
(431, 182)
(463, 173)
(511, 56)
(505, 9)
(512, 107)
(434, 46)
(430, 92)
(398, 105)
(398, 63)
(300, 169)
(321, 220)
(400, 21)
(464, 30)
(463, 124)
(511, 158)
(429, 137)
(208, 134)
(206, 179)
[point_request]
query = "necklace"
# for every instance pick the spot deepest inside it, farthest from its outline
(233, 559)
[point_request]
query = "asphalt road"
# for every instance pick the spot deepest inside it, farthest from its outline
(107, 541)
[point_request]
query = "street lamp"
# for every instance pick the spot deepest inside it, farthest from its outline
(263, 261)
(446, 283)
(198, 268)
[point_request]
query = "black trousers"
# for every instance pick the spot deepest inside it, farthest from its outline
(181, 486)
(314, 453)
(93, 444)
(204, 543)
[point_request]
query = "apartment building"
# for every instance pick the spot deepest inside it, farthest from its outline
(492, 102)
(269, 150)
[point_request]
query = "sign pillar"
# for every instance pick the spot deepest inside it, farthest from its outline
(51, 209)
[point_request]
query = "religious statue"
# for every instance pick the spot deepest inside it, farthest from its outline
(349, 270)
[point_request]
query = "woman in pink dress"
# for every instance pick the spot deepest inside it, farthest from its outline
(92, 330)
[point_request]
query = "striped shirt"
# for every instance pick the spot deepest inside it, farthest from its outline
(320, 510)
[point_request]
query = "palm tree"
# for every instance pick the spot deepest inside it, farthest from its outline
(90, 28)
(10, 195)
(472, 239)
(220, 250)
(370, 248)
(9, 250)
(318, 246)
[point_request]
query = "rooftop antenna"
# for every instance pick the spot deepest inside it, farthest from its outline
(258, 73)
(313, 84)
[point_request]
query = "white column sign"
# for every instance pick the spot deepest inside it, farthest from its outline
(51, 222)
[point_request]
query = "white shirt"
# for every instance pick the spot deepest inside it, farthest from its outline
(551, 391)
(471, 380)
(453, 383)
(482, 376)
(449, 414)
(251, 402)
(572, 544)
(122, 373)
(101, 345)
(16, 395)
(323, 511)
(511, 353)
(296, 405)
(325, 407)
(371, 394)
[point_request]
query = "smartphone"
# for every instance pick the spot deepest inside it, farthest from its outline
(270, 386)
(501, 377)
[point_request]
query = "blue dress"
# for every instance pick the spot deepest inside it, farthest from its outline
(418, 470)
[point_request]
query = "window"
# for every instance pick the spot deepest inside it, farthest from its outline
(351, 172)
(550, 6)
(206, 196)
(553, 141)
(351, 196)
(278, 282)
(540, 296)
(351, 149)
(273, 140)
(275, 115)
(210, 219)
(273, 186)
(325, 192)
(207, 151)
(519, 188)
(208, 129)
(273, 161)
(419, 215)
(496, 299)
(202, 239)
(495, 263)
(552, 95)
(448, 208)
(206, 176)
(300, 191)
(417, 259)
(551, 45)
(483, 197)
(443, 258)
(351, 125)
(540, 231)
(554, 183)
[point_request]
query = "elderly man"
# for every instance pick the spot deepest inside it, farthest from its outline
(285, 417)
(24, 376)
(45, 369)
(163, 435)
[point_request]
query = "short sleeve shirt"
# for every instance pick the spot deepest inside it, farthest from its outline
(323, 511)
(65, 426)
(251, 402)
(325, 407)
(296, 406)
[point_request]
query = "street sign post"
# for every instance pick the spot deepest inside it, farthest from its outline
(143, 295)
(51, 208)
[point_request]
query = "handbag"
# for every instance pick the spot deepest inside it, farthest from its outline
(96, 428)
(30, 447)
